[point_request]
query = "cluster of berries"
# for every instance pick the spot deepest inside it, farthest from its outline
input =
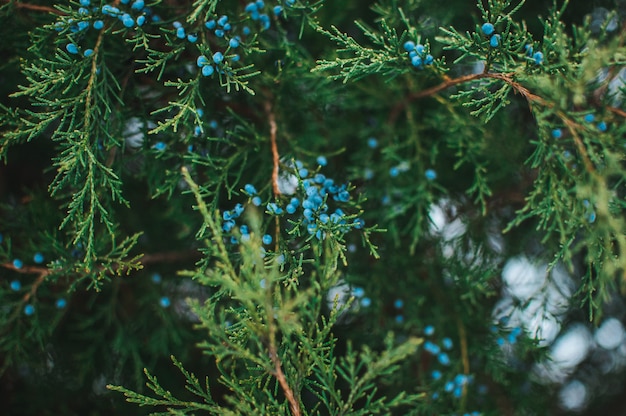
(536, 56)
(557, 133)
(313, 206)
(435, 349)
(164, 301)
(489, 30)
(16, 284)
(417, 54)
(460, 381)
(136, 16)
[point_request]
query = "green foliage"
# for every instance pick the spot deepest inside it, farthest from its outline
(190, 180)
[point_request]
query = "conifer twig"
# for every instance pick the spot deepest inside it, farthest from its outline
(275, 157)
(35, 7)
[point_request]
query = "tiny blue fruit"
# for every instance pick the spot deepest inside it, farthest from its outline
(267, 239)
(17, 263)
(61, 303)
(487, 28)
(207, 70)
(233, 43)
(38, 258)
(71, 48)
(16, 285)
(409, 46)
(218, 57)
(538, 57)
(589, 118)
(557, 133)
(165, 302)
(88, 53)
(602, 126)
(98, 24)
(494, 42)
(430, 174)
(29, 310)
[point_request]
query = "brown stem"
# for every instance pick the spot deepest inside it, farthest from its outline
(275, 157)
(35, 7)
(282, 380)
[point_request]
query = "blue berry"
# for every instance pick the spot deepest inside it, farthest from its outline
(398, 304)
(38, 258)
(500, 341)
(267, 239)
(290, 209)
(416, 61)
(228, 226)
(589, 118)
(218, 57)
(366, 302)
(538, 57)
(71, 48)
(265, 20)
(165, 302)
(222, 20)
(29, 310)
(160, 146)
(210, 24)
(246, 30)
(449, 386)
(529, 49)
(233, 43)
(430, 174)
(18, 264)
(85, 3)
(447, 343)
(180, 33)
(557, 133)
(128, 21)
(177, 25)
(494, 41)
(274, 209)
(61, 303)
(227, 27)
(394, 171)
(250, 189)
(372, 143)
(207, 70)
(156, 278)
(260, 4)
(399, 319)
(420, 49)
(192, 37)
(256, 201)
(16, 285)
(202, 61)
(602, 126)
(98, 24)
(428, 59)
(358, 292)
(138, 5)
(429, 330)
(219, 33)
(88, 53)
(303, 172)
(432, 348)
(409, 46)
(487, 28)
(436, 375)
(443, 358)
(278, 10)
(251, 7)
(141, 20)
(82, 25)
